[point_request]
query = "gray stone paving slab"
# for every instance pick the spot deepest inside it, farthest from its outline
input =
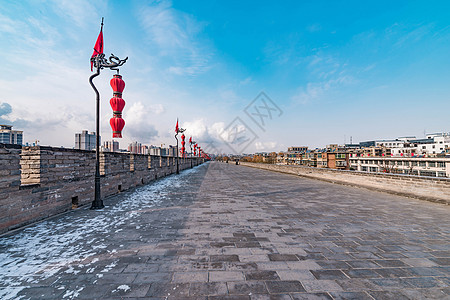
(221, 231)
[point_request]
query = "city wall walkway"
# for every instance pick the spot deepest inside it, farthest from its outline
(221, 231)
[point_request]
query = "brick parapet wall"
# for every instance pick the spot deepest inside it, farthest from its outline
(39, 182)
(421, 187)
(9, 167)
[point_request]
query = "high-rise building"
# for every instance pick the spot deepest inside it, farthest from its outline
(9, 136)
(85, 140)
(111, 146)
(137, 148)
(134, 147)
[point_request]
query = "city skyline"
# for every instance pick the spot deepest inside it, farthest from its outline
(335, 70)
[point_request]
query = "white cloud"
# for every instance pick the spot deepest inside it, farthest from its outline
(247, 81)
(316, 90)
(8, 25)
(202, 132)
(81, 12)
(176, 36)
(139, 123)
(266, 146)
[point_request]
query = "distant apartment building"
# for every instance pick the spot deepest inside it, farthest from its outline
(172, 151)
(408, 155)
(294, 155)
(161, 151)
(85, 140)
(337, 157)
(111, 146)
(322, 159)
(282, 158)
(10, 136)
(137, 148)
(309, 158)
(296, 149)
(421, 166)
(434, 144)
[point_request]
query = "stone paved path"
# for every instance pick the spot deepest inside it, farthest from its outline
(222, 231)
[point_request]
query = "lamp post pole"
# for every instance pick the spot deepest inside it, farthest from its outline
(180, 130)
(98, 202)
(100, 62)
(191, 142)
(176, 137)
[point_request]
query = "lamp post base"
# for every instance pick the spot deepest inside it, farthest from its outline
(97, 205)
(98, 202)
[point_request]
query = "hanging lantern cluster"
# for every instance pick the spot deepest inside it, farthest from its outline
(183, 149)
(117, 104)
(195, 149)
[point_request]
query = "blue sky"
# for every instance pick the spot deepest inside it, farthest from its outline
(336, 69)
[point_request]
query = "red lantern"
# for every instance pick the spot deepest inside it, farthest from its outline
(183, 149)
(117, 84)
(117, 125)
(117, 105)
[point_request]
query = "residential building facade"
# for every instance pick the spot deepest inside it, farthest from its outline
(10, 136)
(110, 146)
(421, 166)
(85, 140)
(137, 148)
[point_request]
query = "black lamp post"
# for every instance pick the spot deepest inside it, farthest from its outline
(179, 130)
(191, 142)
(100, 62)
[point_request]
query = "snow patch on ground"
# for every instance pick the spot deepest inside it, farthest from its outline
(123, 287)
(73, 240)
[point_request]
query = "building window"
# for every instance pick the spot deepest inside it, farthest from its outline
(441, 165)
(428, 173)
(431, 164)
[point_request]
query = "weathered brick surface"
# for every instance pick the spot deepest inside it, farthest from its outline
(196, 239)
(38, 182)
(9, 168)
(426, 188)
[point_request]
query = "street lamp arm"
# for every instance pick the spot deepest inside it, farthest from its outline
(114, 62)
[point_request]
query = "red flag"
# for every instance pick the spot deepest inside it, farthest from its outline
(190, 140)
(98, 48)
(176, 127)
